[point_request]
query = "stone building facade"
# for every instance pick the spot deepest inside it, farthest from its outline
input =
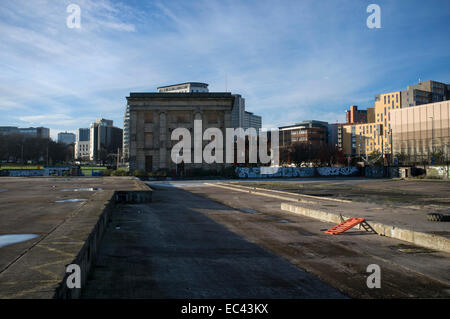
(154, 116)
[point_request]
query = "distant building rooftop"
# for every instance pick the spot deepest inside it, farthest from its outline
(144, 95)
(310, 123)
(186, 83)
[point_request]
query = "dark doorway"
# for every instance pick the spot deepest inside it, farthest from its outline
(148, 163)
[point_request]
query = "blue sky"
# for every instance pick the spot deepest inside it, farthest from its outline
(291, 60)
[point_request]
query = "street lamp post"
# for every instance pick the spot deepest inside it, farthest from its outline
(392, 147)
(432, 138)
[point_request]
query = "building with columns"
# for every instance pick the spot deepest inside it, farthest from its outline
(153, 117)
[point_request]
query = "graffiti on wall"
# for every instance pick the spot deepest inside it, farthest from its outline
(337, 171)
(438, 171)
(255, 172)
(26, 172)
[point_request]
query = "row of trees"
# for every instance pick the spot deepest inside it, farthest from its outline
(315, 154)
(438, 156)
(328, 155)
(18, 148)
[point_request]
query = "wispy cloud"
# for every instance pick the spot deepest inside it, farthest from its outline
(292, 61)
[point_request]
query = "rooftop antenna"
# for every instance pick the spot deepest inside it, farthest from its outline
(226, 82)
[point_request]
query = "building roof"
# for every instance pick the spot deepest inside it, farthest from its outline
(147, 95)
(191, 83)
(303, 124)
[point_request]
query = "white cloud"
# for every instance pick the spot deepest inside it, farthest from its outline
(296, 61)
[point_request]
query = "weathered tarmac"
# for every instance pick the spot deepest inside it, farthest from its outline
(172, 248)
(194, 241)
(63, 214)
(407, 271)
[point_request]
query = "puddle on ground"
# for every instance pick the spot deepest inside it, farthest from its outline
(86, 189)
(71, 200)
(249, 211)
(3, 190)
(6, 240)
(285, 221)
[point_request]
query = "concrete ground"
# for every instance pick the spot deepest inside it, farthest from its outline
(341, 261)
(172, 248)
(198, 241)
(34, 267)
(416, 194)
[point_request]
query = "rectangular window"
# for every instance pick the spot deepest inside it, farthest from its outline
(181, 118)
(385, 99)
(148, 140)
(148, 117)
(212, 118)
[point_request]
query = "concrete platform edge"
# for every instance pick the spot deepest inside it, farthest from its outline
(418, 238)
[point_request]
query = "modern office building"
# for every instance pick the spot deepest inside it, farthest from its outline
(361, 139)
(105, 139)
(424, 93)
(353, 115)
(252, 120)
(83, 144)
(311, 132)
(83, 134)
(82, 150)
(377, 134)
(6, 130)
(41, 132)
(241, 118)
(422, 132)
(66, 138)
(126, 135)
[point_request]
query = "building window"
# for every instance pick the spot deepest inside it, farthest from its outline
(148, 117)
(181, 118)
(148, 140)
(212, 118)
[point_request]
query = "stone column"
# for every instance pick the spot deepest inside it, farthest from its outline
(162, 140)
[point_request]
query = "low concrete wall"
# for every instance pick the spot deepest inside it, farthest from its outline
(87, 254)
(418, 238)
(256, 172)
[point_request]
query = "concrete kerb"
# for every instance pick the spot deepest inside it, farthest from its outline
(418, 238)
(88, 252)
(258, 189)
(259, 193)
